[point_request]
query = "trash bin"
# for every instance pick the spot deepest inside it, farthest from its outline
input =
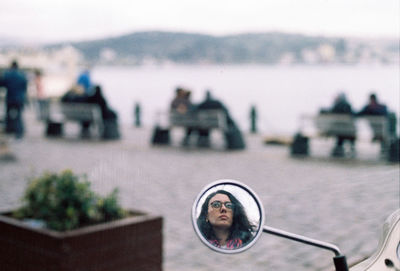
(299, 145)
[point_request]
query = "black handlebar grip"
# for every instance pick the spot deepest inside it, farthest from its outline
(340, 263)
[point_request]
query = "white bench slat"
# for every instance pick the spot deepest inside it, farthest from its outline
(80, 112)
(207, 119)
(335, 124)
(75, 112)
(345, 125)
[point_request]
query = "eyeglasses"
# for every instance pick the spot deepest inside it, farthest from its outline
(217, 204)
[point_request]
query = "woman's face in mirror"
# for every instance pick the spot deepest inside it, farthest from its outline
(228, 217)
(220, 213)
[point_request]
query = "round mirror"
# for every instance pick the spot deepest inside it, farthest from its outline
(228, 216)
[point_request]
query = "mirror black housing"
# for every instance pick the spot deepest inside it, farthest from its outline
(231, 209)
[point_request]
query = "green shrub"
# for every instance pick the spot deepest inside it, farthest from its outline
(65, 201)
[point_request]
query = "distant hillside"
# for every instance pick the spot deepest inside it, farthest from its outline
(142, 47)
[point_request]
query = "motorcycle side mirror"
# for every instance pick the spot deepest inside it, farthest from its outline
(228, 216)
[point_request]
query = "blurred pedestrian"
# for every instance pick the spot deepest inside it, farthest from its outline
(43, 104)
(39, 85)
(15, 81)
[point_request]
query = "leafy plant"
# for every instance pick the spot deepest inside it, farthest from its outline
(65, 201)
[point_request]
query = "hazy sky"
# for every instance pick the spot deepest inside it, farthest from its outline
(55, 20)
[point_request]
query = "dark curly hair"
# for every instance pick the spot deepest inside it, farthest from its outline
(241, 227)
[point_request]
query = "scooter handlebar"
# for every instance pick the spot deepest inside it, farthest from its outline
(340, 263)
(339, 259)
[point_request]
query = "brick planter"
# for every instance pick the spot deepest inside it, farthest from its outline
(133, 243)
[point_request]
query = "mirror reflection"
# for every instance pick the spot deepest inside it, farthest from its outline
(228, 216)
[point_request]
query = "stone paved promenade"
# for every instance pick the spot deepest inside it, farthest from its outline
(335, 200)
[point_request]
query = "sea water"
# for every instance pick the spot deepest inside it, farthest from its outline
(281, 94)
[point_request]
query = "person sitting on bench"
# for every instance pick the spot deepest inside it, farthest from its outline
(342, 106)
(233, 136)
(77, 95)
(209, 103)
(374, 108)
(182, 105)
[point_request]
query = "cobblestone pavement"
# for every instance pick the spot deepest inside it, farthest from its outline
(343, 201)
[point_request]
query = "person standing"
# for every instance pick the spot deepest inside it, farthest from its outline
(15, 81)
(39, 85)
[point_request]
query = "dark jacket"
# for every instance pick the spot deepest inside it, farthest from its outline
(210, 103)
(14, 80)
(342, 107)
(374, 109)
(96, 98)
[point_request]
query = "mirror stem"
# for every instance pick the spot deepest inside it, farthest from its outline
(339, 260)
(302, 239)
